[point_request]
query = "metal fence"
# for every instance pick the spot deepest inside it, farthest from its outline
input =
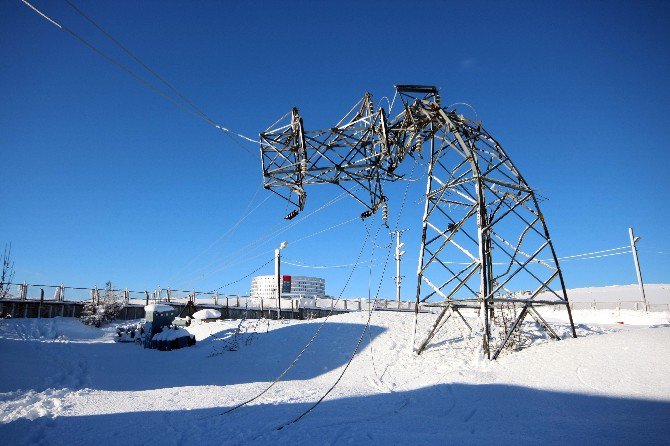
(62, 293)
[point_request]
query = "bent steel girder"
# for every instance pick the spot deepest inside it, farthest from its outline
(484, 237)
(348, 155)
(483, 234)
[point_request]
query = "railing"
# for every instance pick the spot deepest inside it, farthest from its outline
(62, 293)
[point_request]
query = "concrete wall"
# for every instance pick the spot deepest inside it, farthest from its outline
(46, 309)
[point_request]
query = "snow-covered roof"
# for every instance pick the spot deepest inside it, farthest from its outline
(207, 313)
(158, 308)
(170, 334)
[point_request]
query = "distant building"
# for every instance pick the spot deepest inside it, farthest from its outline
(292, 286)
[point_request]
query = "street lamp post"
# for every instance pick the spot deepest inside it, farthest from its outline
(398, 254)
(278, 276)
(633, 248)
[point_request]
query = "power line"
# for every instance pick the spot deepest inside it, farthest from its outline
(293, 242)
(260, 241)
(139, 61)
(309, 343)
(242, 278)
(302, 265)
(598, 257)
(584, 256)
(194, 110)
(371, 307)
(226, 235)
(594, 252)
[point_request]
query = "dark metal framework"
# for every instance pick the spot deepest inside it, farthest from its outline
(483, 235)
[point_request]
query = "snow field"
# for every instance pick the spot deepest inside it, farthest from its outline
(70, 384)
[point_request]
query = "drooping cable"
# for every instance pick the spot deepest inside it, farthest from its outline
(245, 250)
(181, 104)
(371, 307)
(226, 235)
(353, 354)
(311, 340)
(242, 278)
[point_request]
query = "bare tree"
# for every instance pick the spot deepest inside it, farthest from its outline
(7, 271)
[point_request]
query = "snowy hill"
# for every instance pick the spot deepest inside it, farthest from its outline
(655, 293)
(64, 383)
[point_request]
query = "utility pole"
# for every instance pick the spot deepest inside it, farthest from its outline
(633, 248)
(398, 255)
(278, 276)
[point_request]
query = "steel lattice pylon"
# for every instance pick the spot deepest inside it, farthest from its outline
(483, 235)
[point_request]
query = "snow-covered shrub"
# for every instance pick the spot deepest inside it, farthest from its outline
(101, 310)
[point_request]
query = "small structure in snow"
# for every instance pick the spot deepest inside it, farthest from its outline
(158, 308)
(159, 316)
(172, 339)
(207, 314)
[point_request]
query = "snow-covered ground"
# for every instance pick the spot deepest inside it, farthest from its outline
(66, 383)
(656, 293)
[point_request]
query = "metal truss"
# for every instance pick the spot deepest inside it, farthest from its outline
(349, 155)
(483, 235)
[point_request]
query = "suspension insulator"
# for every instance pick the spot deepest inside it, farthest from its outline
(385, 213)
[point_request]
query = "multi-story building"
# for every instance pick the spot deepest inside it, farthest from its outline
(292, 286)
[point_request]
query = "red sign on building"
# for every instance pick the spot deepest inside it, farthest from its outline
(286, 284)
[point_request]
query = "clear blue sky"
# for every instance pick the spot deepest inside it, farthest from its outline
(102, 179)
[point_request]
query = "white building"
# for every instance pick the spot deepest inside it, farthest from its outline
(292, 286)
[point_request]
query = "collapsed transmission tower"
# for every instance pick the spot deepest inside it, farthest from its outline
(483, 236)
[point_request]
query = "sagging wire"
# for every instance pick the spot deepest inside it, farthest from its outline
(194, 110)
(353, 354)
(371, 308)
(247, 212)
(309, 343)
(246, 259)
(242, 278)
(234, 258)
